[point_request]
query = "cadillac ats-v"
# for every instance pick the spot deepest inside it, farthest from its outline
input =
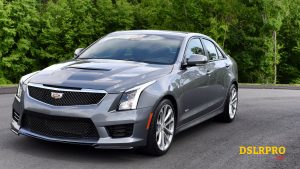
(129, 89)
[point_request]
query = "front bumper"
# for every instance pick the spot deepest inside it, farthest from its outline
(102, 143)
(99, 115)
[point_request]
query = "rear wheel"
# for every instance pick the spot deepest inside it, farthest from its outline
(230, 107)
(162, 129)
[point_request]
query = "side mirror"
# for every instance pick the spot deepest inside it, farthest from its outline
(196, 59)
(78, 52)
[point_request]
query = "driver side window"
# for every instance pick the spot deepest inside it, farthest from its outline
(194, 47)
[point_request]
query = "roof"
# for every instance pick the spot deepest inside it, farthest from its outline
(159, 32)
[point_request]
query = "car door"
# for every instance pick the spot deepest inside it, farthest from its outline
(223, 74)
(216, 73)
(195, 84)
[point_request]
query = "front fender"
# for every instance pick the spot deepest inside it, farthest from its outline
(153, 94)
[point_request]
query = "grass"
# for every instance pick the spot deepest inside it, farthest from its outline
(251, 84)
(270, 84)
(8, 85)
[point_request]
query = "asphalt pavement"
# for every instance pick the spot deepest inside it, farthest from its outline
(266, 117)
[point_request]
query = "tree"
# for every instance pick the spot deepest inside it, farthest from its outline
(70, 24)
(273, 13)
(35, 34)
(67, 25)
(289, 34)
(20, 27)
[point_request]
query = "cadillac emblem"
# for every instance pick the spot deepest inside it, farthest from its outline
(55, 95)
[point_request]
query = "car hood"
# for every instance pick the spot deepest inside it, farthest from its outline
(113, 76)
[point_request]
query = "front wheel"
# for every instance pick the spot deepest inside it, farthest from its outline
(162, 129)
(230, 107)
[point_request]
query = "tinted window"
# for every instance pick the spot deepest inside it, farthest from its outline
(211, 49)
(194, 47)
(157, 49)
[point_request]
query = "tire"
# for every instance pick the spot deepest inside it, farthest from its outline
(153, 147)
(230, 106)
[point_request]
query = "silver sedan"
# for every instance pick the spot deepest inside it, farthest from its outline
(129, 89)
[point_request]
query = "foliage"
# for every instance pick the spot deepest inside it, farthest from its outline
(38, 33)
(19, 22)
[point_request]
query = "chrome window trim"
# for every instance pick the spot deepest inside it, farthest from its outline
(68, 90)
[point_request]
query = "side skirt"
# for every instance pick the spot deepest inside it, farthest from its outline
(200, 119)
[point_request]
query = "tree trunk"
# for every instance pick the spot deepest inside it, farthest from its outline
(275, 59)
(224, 38)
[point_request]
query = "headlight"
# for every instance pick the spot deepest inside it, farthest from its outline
(19, 91)
(23, 81)
(130, 98)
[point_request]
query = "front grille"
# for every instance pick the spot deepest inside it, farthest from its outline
(69, 98)
(59, 127)
(118, 131)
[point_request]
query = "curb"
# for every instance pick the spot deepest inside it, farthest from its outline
(8, 90)
(13, 89)
(269, 87)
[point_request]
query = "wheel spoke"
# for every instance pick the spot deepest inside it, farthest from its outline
(163, 115)
(233, 94)
(162, 139)
(169, 122)
(167, 138)
(234, 100)
(159, 139)
(168, 114)
(168, 131)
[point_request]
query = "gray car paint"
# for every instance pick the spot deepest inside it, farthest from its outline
(113, 76)
(198, 92)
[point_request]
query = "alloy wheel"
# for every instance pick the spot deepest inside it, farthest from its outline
(165, 127)
(233, 102)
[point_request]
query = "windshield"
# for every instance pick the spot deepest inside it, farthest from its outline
(156, 49)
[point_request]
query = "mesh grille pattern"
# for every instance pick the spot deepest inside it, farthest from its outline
(69, 98)
(118, 131)
(59, 127)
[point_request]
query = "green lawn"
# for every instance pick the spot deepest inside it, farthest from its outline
(8, 85)
(258, 84)
(252, 84)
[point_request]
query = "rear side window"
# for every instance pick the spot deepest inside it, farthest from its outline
(211, 49)
(221, 56)
(194, 47)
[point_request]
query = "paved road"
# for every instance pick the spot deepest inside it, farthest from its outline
(266, 117)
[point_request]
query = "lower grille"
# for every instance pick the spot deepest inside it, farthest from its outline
(118, 131)
(59, 127)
